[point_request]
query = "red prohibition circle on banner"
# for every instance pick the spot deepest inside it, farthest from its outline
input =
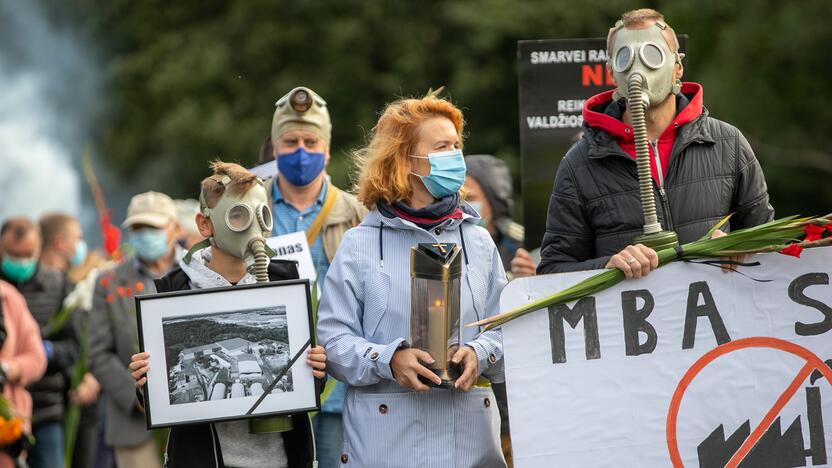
(813, 363)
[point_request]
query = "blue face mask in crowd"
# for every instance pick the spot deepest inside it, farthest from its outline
(150, 244)
(477, 206)
(300, 168)
(447, 172)
(19, 270)
(80, 254)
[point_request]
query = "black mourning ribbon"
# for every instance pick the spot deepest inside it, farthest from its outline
(280, 376)
(680, 255)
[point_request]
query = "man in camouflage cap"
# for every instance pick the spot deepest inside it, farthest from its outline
(304, 199)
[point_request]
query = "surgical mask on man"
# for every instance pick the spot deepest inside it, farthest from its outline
(647, 53)
(150, 244)
(447, 172)
(300, 167)
(80, 253)
(17, 269)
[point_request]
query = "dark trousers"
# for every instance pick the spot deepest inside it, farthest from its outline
(502, 404)
(86, 441)
(329, 439)
(104, 456)
(48, 451)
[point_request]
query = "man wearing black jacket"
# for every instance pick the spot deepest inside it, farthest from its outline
(703, 169)
(44, 290)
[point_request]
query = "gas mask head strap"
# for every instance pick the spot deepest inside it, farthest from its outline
(224, 180)
(221, 179)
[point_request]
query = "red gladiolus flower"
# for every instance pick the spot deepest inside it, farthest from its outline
(111, 234)
(794, 250)
(829, 227)
(813, 232)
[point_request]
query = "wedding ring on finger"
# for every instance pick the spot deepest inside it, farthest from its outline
(631, 261)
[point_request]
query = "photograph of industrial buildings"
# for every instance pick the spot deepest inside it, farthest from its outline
(226, 355)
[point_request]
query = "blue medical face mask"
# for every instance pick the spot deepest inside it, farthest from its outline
(447, 172)
(19, 270)
(300, 168)
(477, 206)
(80, 254)
(150, 244)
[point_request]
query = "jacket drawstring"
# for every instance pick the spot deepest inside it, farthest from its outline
(381, 243)
(464, 252)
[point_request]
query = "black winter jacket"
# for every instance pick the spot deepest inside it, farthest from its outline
(45, 293)
(197, 444)
(595, 209)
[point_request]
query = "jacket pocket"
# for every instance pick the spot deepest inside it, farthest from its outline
(479, 443)
(375, 301)
(384, 430)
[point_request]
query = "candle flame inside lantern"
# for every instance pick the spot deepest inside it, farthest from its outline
(438, 303)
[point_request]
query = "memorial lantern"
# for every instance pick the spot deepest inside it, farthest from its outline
(435, 271)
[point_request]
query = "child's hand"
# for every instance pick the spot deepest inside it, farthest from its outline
(138, 368)
(316, 358)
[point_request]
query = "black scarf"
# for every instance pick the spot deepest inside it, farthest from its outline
(428, 217)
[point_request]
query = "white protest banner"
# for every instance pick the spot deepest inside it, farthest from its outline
(294, 247)
(689, 367)
(265, 170)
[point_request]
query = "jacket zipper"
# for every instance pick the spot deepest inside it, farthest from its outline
(662, 194)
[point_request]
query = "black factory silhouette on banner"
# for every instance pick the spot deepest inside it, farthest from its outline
(775, 449)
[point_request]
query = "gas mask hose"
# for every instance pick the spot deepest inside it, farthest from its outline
(636, 104)
(261, 259)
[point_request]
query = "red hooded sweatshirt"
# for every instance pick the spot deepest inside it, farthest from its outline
(594, 116)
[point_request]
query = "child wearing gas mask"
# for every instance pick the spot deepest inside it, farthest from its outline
(235, 218)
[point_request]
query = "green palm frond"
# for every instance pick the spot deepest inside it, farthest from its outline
(773, 236)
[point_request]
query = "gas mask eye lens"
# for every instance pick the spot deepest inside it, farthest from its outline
(239, 218)
(623, 59)
(265, 215)
(652, 55)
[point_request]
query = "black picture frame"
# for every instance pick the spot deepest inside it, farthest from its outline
(268, 299)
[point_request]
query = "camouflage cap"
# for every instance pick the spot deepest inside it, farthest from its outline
(301, 109)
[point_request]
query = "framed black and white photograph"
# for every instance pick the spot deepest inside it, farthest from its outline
(227, 353)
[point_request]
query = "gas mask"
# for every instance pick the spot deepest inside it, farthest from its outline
(644, 52)
(643, 65)
(241, 226)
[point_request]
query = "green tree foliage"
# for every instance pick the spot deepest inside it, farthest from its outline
(191, 81)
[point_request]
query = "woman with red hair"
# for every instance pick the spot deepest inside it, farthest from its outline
(411, 178)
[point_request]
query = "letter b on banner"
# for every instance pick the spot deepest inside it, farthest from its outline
(635, 321)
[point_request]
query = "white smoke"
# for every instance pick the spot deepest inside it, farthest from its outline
(36, 174)
(47, 86)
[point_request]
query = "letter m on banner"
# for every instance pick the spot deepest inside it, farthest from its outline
(584, 310)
